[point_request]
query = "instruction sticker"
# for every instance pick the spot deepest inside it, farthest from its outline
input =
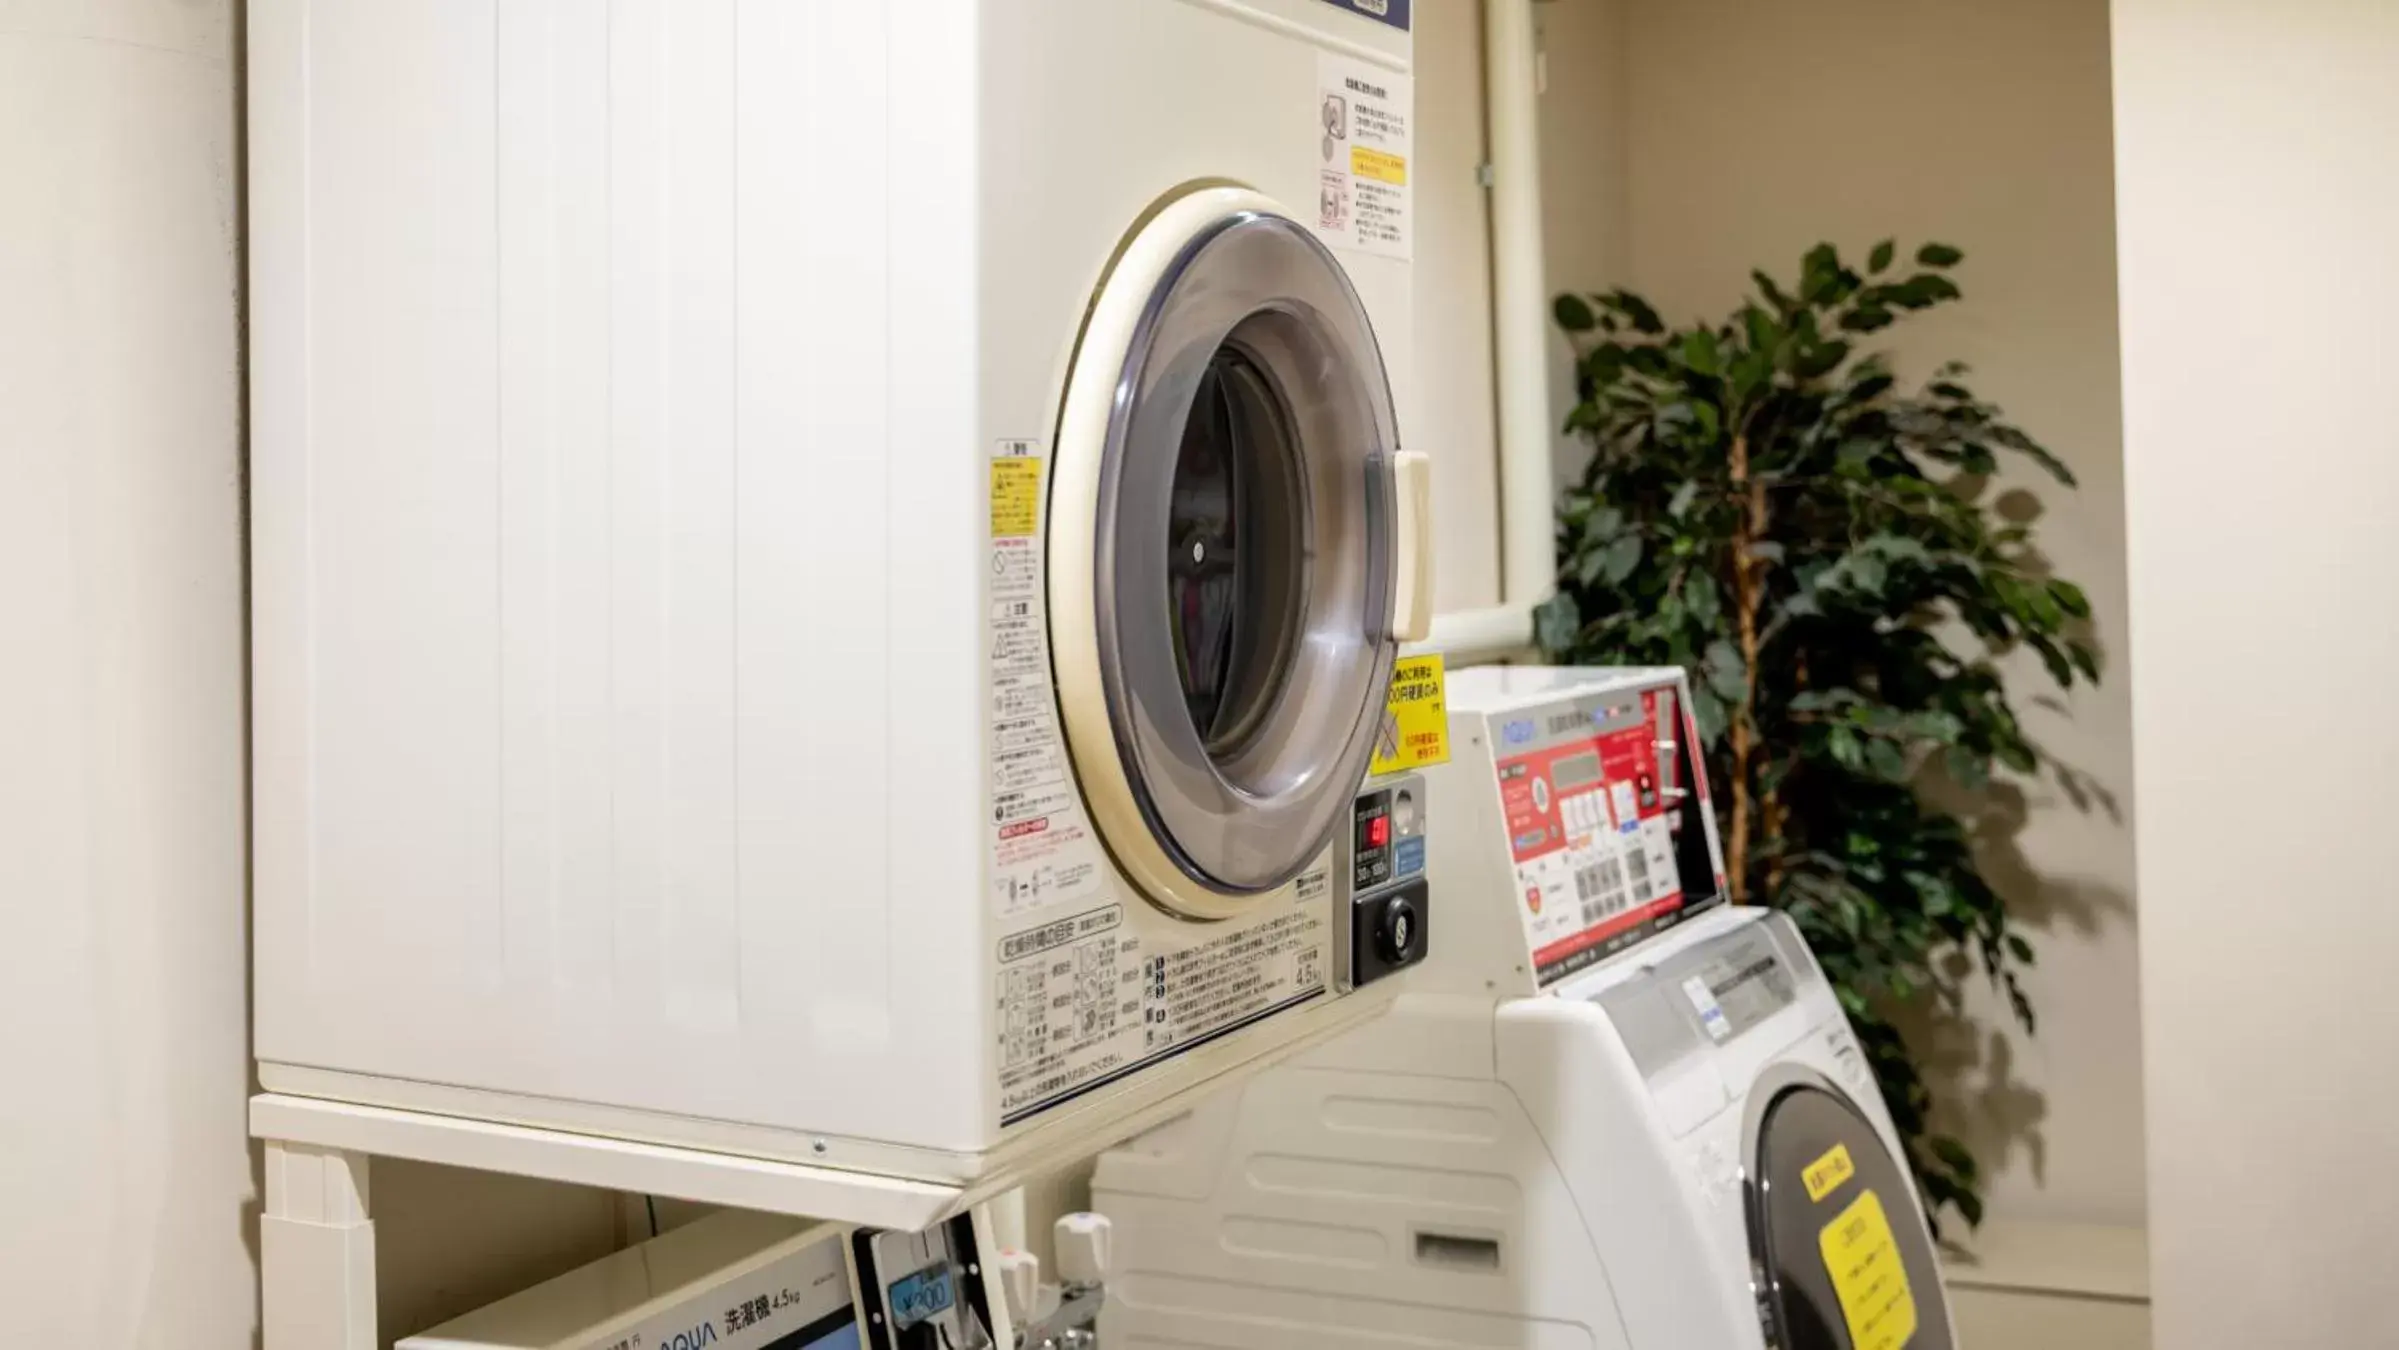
(1825, 1175)
(1415, 730)
(1036, 816)
(1863, 1259)
(1363, 151)
(1015, 492)
(1081, 1004)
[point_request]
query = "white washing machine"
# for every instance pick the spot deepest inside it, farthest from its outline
(825, 574)
(1675, 1145)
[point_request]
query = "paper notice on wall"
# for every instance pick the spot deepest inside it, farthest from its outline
(1364, 156)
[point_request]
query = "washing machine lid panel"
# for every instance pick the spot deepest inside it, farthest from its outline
(1841, 1256)
(1701, 999)
(1245, 553)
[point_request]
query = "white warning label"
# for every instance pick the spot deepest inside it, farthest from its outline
(1035, 815)
(1364, 156)
(1081, 1003)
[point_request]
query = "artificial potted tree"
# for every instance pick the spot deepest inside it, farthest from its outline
(1767, 505)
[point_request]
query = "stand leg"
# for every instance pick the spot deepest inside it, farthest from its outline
(316, 1251)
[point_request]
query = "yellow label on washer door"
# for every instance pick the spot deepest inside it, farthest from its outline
(1826, 1174)
(1868, 1277)
(1415, 730)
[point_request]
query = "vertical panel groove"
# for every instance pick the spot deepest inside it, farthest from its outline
(733, 900)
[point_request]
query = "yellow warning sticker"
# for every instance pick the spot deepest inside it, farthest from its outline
(1415, 729)
(1826, 1174)
(1015, 494)
(1863, 1259)
(1380, 165)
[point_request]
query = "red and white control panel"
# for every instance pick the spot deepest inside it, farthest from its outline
(1591, 827)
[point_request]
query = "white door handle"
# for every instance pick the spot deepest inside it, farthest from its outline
(1412, 607)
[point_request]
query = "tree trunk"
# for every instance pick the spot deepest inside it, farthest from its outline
(1747, 588)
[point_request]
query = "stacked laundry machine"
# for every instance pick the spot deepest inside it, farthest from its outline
(826, 581)
(1612, 1111)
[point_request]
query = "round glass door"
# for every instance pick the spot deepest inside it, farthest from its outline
(1236, 553)
(1842, 1257)
(1224, 520)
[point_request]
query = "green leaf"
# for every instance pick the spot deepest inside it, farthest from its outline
(1636, 312)
(1773, 293)
(1819, 274)
(1574, 314)
(1751, 370)
(1848, 751)
(2056, 662)
(1925, 289)
(1680, 503)
(1707, 712)
(1866, 573)
(1621, 558)
(1587, 566)
(1700, 353)
(1819, 360)
(2020, 949)
(1818, 700)
(2084, 659)
(1885, 758)
(1759, 326)
(1766, 550)
(1871, 383)
(1726, 674)
(1700, 599)
(1954, 1156)
(1939, 255)
(1881, 257)
(1556, 625)
(2071, 599)
(1867, 319)
(1705, 422)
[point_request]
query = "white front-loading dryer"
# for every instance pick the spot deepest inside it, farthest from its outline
(1677, 1146)
(825, 574)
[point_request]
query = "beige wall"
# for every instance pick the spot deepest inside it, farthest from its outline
(1699, 138)
(2258, 182)
(1586, 176)
(125, 1174)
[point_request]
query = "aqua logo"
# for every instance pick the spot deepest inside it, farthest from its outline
(1517, 732)
(703, 1334)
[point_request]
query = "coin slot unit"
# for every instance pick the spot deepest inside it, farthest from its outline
(1390, 912)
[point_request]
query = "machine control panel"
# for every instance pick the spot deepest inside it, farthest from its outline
(1603, 823)
(1389, 919)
